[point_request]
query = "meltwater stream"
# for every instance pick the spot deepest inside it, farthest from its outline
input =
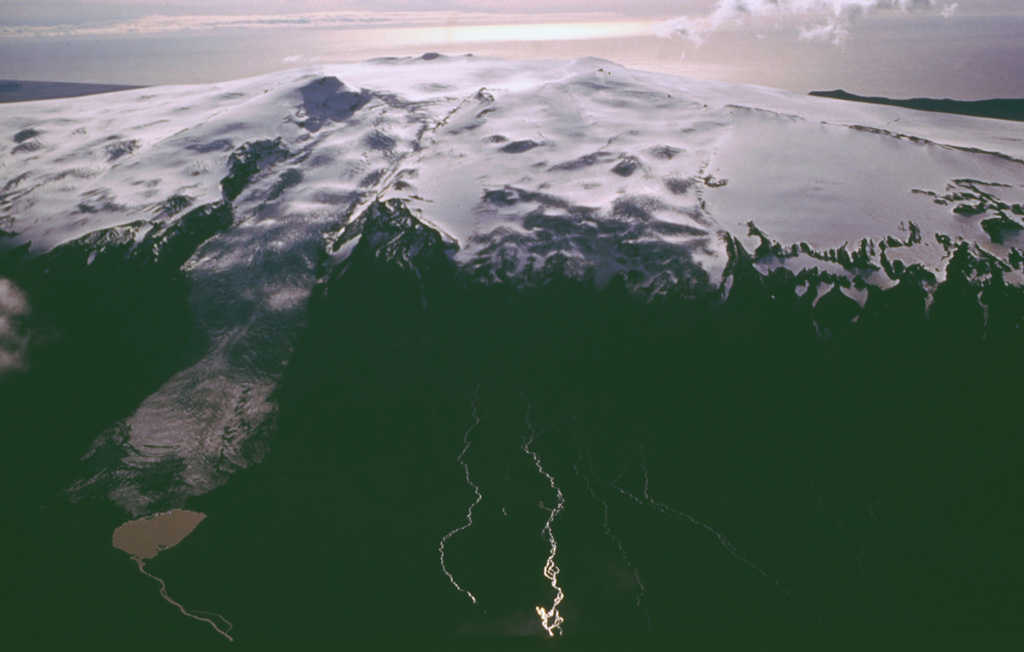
(550, 619)
(461, 459)
(585, 476)
(646, 501)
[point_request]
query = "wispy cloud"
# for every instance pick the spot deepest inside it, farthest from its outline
(302, 58)
(159, 24)
(827, 20)
(13, 339)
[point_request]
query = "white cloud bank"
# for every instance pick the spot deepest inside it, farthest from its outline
(827, 20)
(13, 340)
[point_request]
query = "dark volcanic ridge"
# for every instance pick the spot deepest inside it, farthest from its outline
(1000, 109)
(30, 91)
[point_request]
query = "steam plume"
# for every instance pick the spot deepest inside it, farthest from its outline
(827, 20)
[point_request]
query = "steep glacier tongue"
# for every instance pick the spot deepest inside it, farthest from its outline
(248, 291)
(249, 288)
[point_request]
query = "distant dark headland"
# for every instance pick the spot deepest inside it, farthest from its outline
(27, 91)
(998, 109)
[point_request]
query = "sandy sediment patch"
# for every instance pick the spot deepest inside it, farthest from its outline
(144, 538)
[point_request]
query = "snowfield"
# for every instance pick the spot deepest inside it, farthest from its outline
(524, 169)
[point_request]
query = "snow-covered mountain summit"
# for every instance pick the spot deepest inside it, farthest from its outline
(512, 161)
(514, 173)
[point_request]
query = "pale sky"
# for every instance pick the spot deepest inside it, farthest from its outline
(968, 49)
